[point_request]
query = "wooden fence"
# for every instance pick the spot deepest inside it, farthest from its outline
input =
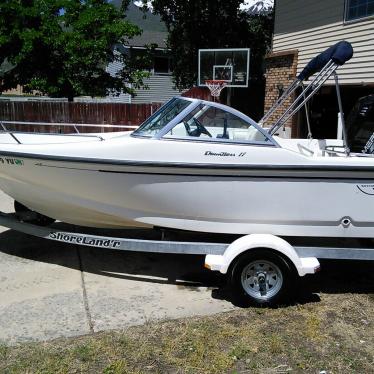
(66, 112)
(198, 93)
(37, 111)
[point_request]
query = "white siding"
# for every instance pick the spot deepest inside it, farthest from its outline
(113, 68)
(161, 89)
(311, 26)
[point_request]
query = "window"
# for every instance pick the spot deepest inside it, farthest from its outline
(357, 9)
(210, 123)
(162, 65)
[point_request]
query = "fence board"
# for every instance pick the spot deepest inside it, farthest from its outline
(67, 112)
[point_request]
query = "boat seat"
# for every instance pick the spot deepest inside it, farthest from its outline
(246, 134)
(239, 134)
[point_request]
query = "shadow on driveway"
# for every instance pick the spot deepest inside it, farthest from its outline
(336, 276)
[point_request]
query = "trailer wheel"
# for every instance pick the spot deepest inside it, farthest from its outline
(261, 277)
(27, 215)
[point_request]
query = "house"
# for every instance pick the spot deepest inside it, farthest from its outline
(305, 28)
(160, 86)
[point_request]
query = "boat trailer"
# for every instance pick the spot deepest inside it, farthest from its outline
(268, 263)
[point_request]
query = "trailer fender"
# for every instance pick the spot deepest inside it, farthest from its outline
(221, 263)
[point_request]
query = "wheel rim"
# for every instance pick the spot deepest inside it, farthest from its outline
(265, 273)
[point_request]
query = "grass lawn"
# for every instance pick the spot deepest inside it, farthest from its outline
(335, 334)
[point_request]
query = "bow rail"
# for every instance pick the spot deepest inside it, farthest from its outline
(12, 133)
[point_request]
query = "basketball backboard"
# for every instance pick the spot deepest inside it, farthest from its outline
(228, 64)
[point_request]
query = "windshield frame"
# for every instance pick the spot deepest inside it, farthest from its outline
(173, 122)
(194, 104)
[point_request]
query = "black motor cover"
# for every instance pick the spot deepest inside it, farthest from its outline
(360, 126)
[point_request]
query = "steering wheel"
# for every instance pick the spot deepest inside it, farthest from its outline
(187, 127)
(200, 129)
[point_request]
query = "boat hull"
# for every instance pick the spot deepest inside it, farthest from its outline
(279, 201)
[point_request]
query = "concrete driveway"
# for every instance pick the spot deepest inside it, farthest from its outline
(50, 289)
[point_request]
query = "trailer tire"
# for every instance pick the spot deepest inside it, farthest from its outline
(37, 218)
(261, 277)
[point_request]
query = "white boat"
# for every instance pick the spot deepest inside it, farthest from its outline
(195, 165)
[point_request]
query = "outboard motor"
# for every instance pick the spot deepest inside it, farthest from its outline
(360, 126)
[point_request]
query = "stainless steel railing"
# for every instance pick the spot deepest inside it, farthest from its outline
(5, 124)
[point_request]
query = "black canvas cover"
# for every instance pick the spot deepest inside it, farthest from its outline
(340, 53)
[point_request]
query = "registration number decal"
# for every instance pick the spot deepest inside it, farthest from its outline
(11, 161)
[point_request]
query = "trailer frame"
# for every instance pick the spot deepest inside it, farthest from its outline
(297, 260)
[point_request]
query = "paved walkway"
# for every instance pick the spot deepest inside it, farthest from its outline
(49, 289)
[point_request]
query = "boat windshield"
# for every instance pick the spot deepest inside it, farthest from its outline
(162, 117)
(210, 123)
(203, 121)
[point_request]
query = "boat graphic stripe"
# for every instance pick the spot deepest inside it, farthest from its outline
(205, 169)
(265, 175)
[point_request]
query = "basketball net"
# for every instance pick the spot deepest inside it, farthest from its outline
(215, 87)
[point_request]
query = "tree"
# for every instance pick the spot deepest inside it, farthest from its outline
(211, 24)
(62, 47)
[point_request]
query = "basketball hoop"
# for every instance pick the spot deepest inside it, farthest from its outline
(215, 86)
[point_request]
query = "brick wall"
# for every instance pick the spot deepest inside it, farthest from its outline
(280, 70)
